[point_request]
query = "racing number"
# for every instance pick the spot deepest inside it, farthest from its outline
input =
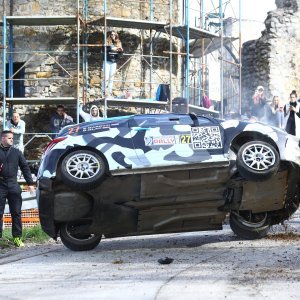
(73, 130)
(185, 139)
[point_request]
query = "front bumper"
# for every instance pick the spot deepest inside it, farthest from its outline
(45, 198)
(292, 150)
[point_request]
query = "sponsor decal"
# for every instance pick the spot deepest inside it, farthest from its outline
(161, 140)
(206, 137)
(168, 140)
(96, 127)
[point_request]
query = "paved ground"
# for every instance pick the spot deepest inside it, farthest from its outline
(207, 265)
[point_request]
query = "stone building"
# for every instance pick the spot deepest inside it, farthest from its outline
(44, 55)
(49, 52)
(273, 60)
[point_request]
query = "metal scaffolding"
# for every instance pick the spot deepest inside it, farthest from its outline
(196, 41)
(206, 36)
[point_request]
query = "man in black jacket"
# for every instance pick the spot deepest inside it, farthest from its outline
(10, 159)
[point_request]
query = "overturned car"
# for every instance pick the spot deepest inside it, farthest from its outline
(162, 173)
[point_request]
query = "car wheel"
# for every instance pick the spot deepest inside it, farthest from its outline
(82, 169)
(248, 225)
(257, 161)
(76, 241)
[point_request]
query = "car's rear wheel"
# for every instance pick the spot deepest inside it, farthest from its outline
(76, 241)
(83, 169)
(257, 160)
(249, 226)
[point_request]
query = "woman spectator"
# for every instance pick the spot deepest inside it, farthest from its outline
(292, 115)
(277, 112)
(114, 51)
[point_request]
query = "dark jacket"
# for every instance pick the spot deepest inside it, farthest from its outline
(112, 55)
(58, 122)
(10, 159)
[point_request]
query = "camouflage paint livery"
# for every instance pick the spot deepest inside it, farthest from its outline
(147, 143)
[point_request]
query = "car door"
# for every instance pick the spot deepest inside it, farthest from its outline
(171, 140)
(207, 138)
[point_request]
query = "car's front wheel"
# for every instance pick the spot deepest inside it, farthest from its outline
(83, 169)
(76, 241)
(248, 225)
(257, 160)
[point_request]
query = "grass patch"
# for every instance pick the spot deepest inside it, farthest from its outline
(30, 235)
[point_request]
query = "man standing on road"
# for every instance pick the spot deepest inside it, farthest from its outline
(17, 127)
(10, 159)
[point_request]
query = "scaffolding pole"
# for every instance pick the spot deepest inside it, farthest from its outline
(4, 66)
(187, 58)
(222, 56)
(171, 52)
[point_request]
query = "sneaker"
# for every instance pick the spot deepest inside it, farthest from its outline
(18, 242)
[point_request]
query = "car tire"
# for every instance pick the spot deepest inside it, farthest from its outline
(83, 169)
(75, 241)
(257, 160)
(249, 226)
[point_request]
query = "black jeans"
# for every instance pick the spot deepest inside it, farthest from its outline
(10, 190)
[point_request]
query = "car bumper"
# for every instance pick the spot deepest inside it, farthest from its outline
(46, 206)
(291, 150)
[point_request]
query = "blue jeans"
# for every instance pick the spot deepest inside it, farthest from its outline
(110, 70)
(279, 118)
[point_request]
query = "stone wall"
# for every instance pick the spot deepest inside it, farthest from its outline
(273, 60)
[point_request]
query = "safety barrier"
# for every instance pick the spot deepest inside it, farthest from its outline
(30, 218)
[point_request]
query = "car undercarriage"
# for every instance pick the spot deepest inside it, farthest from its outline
(164, 202)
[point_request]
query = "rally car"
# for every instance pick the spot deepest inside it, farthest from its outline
(162, 173)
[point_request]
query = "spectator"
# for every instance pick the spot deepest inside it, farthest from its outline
(127, 95)
(294, 92)
(277, 113)
(114, 51)
(292, 115)
(266, 114)
(17, 127)
(94, 114)
(206, 102)
(60, 119)
(11, 158)
(259, 101)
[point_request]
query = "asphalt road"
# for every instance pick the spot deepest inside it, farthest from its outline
(206, 265)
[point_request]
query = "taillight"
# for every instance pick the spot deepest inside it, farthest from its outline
(53, 143)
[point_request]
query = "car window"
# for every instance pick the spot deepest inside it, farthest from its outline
(160, 120)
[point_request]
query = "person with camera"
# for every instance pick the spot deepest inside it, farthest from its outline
(10, 160)
(259, 103)
(114, 52)
(292, 115)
